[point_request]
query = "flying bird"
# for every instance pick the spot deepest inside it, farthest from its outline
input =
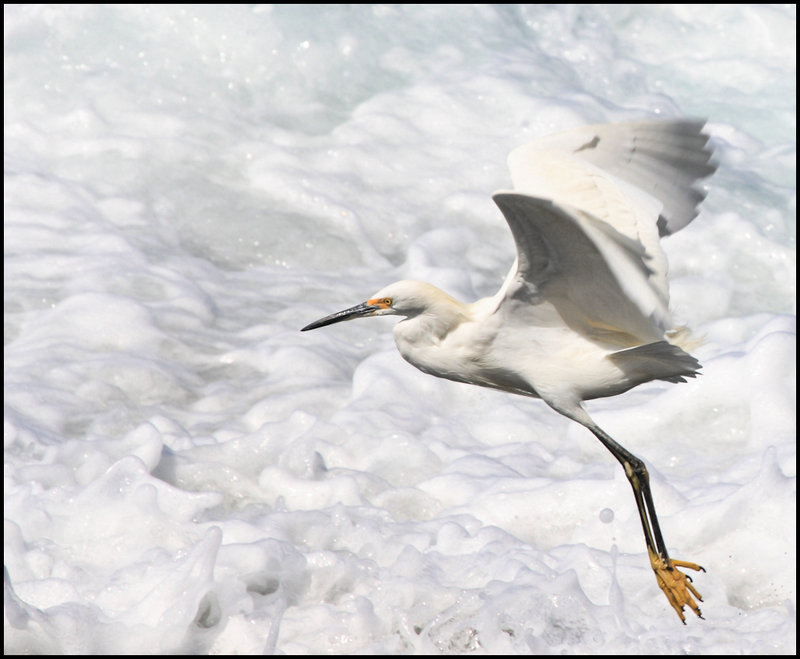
(584, 311)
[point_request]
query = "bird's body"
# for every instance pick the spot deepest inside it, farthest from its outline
(472, 343)
(584, 310)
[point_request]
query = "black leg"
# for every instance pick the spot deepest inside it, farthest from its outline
(676, 585)
(639, 479)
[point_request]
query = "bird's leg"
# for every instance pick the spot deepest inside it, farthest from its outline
(676, 586)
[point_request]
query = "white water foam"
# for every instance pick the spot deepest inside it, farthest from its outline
(187, 186)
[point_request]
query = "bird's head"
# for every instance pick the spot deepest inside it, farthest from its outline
(403, 298)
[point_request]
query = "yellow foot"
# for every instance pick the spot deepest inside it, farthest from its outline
(676, 585)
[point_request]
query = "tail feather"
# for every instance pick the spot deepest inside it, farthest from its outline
(657, 361)
(684, 338)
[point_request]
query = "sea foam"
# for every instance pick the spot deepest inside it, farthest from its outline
(186, 472)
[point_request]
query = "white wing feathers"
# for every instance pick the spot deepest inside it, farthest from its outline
(665, 159)
(587, 211)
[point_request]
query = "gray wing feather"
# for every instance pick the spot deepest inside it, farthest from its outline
(596, 278)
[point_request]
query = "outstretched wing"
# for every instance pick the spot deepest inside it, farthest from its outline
(575, 269)
(663, 158)
(640, 177)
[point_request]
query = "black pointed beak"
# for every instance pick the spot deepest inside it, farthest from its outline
(357, 311)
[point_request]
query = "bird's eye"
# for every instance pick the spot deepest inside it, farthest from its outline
(387, 301)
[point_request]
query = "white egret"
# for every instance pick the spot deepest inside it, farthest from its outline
(584, 311)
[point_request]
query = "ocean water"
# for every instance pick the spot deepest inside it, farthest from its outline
(186, 472)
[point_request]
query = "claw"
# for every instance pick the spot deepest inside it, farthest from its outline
(677, 586)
